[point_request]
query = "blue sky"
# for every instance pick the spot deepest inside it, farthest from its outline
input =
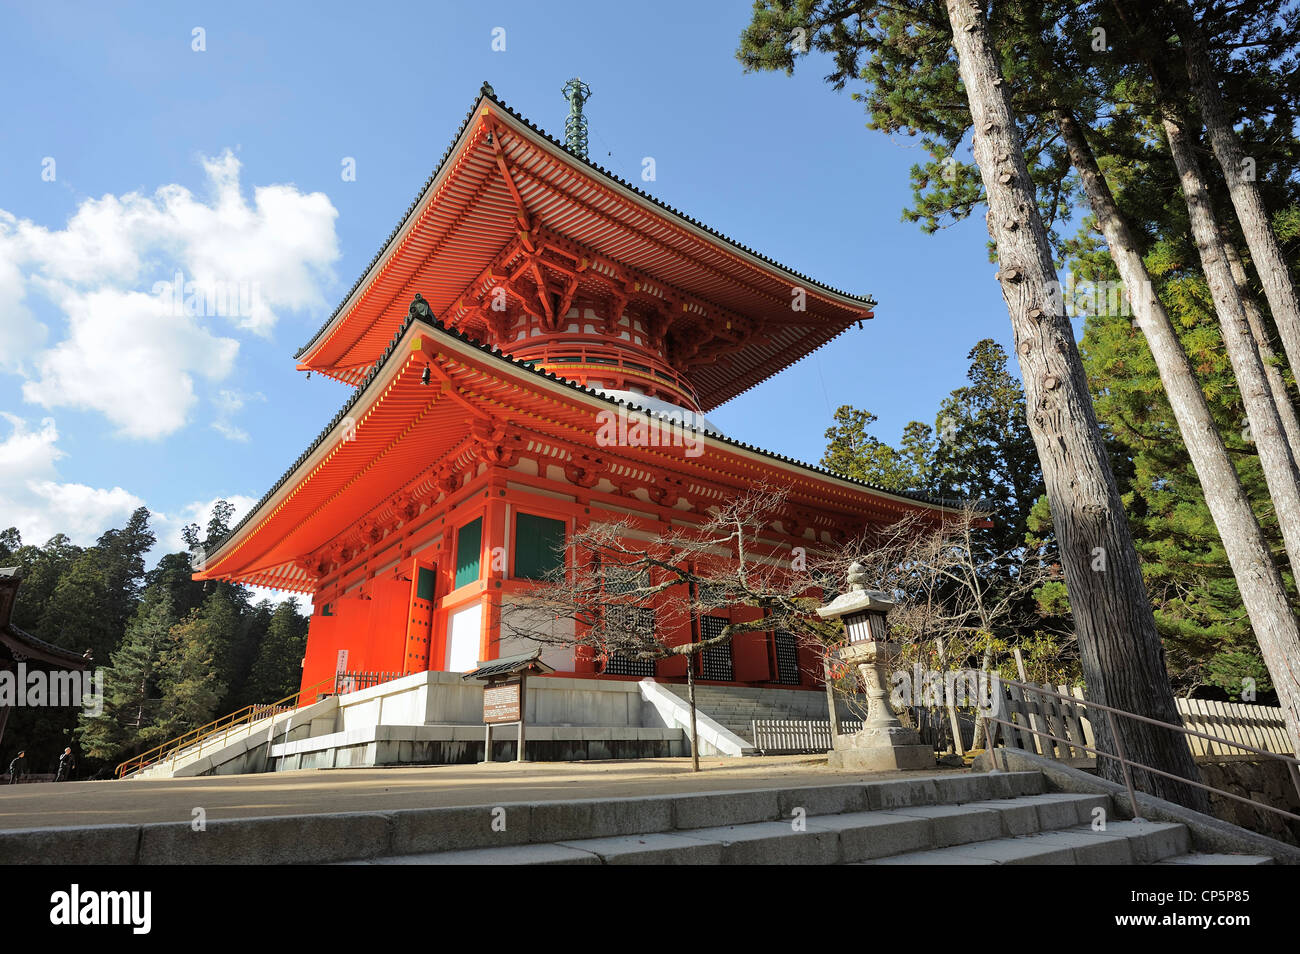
(227, 161)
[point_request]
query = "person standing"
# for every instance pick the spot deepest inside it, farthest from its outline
(66, 765)
(17, 768)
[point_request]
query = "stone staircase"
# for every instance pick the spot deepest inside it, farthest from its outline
(172, 765)
(735, 707)
(1001, 818)
(949, 818)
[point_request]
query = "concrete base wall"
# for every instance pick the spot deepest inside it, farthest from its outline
(462, 753)
(801, 703)
(436, 718)
(457, 744)
(444, 698)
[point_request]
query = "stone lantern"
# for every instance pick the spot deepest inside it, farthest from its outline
(884, 742)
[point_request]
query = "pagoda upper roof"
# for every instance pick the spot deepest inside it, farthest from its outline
(502, 173)
(398, 424)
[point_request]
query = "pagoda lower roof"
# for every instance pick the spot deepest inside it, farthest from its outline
(503, 178)
(389, 440)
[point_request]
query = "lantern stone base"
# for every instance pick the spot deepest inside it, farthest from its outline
(884, 743)
(879, 750)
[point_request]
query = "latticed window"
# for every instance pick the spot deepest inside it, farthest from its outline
(627, 664)
(787, 659)
(635, 619)
(715, 661)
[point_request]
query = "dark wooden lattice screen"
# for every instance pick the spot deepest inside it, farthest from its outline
(787, 659)
(715, 662)
(619, 664)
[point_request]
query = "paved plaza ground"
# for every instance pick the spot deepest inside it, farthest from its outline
(369, 789)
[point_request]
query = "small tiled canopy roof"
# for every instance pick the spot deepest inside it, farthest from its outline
(509, 666)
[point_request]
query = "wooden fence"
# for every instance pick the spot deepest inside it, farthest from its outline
(935, 727)
(1058, 717)
(797, 736)
(1260, 726)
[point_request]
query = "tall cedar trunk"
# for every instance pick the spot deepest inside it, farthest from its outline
(1263, 244)
(1123, 661)
(1259, 331)
(1243, 353)
(1258, 579)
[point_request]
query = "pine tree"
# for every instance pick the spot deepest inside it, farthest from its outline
(195, 666)
(42, 568)
(132, 696)
(74, 616)
(985, 449)
(122, 554)
(278, 670)
(174, 573)
(1123, 661)
(1237, 169)
(853, 452)
(11, 541)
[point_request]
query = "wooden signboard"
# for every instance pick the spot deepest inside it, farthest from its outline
(505, 694)
(501, 702)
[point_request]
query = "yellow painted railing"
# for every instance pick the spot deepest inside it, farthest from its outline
(222, 726)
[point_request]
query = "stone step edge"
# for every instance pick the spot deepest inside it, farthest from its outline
(1209, 834)
(1120, 843)
(343, 836)
(775, 842)
(1217, 858)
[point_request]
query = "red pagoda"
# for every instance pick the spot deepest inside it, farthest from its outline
(527, 299)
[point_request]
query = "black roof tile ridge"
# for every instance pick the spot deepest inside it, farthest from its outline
(42, 644)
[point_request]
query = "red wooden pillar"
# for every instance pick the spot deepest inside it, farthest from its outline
(495, 564)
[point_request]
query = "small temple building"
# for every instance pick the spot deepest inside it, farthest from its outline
(21, 650)
(504, 350)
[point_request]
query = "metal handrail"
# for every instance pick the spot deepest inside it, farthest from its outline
(240, 717)
(1292, 763)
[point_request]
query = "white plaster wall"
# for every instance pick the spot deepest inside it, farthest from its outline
(464, 628)
(525, 616)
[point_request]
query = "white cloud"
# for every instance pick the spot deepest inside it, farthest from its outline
(39, 505)
(34, 501)
(229, 403)
(21, 335)
(230, 432)
(130, 361)
(142, 281)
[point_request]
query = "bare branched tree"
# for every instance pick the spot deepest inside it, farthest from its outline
(629, 591)
(958, 604)
(623, 594)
